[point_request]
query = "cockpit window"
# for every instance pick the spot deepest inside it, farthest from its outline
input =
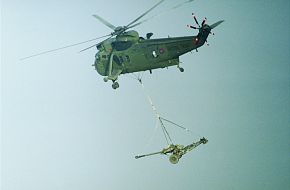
(100, 47)
(104, 56)
(120, 45)
(97, 56)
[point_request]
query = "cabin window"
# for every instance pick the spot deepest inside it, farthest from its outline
(154, 54)
(121, 59)
(127, 58)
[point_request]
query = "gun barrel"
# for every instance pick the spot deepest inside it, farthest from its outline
(144, 155)
(139, 156)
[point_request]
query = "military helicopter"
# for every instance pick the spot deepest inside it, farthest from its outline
(127, 52)
(124, 51)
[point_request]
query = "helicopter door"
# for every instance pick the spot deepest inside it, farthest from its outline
(118, 64)
(117, 60)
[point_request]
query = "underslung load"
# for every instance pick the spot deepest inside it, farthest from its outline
(174, 151)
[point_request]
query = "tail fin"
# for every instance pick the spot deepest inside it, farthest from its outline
(216, 24)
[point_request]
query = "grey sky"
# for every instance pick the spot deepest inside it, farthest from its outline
(63, 128)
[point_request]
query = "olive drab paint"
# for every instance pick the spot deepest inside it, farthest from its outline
(128, 52)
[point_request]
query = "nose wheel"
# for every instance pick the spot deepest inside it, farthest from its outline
(115, 85)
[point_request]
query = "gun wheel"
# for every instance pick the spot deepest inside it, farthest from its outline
(173, 159)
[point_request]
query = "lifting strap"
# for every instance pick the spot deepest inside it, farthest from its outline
(164, 130)
(160, 119)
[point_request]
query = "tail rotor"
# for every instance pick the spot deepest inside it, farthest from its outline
(204, 26)
(197, 23)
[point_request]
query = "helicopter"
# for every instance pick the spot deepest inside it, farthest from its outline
(127, 52)
(124, 51)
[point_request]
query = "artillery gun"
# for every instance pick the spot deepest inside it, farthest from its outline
(176, 151)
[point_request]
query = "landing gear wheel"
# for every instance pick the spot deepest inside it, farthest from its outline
(173, 159)
(181, 69)
(115, 85)
(106, 79)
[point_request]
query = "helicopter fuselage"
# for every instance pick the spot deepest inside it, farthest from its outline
(139, 54)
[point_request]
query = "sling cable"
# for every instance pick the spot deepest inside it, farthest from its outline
(174, 151)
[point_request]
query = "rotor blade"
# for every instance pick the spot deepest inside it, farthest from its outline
(94, 45)
(216, 24)
(180, 4)
(160, 13)
(104, 22)
(128, 25)
(195, 19)
(64, 47)
(132, 26)
(203, 22)
(193, 27)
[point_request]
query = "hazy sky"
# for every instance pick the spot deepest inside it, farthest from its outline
(63, 128)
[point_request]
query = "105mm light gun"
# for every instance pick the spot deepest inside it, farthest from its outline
(176, 151)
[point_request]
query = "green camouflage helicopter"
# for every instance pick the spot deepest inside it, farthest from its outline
(127, 52)
(124, 51)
